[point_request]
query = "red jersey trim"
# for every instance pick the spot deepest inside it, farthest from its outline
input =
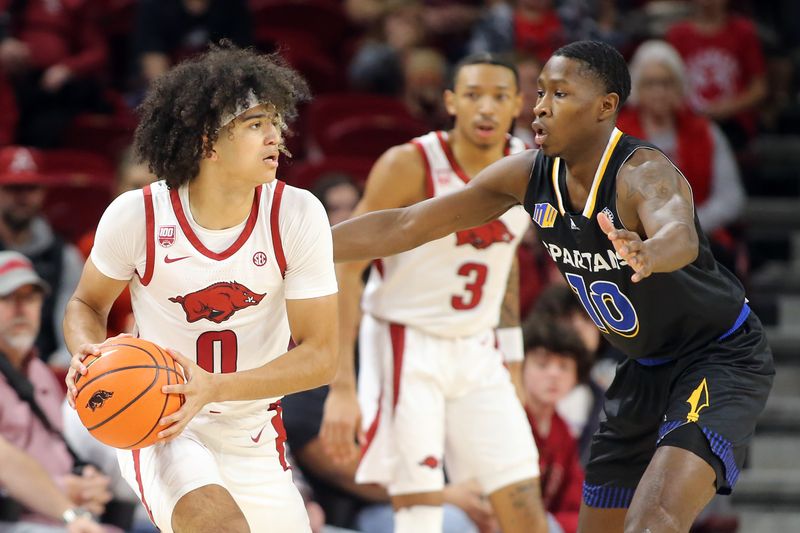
(275, 211)
(280, 440)
(199, 246)
(428, 173)
(378, 264)
(451, 158)
(137, 468)
(150, 229)
(398, 334)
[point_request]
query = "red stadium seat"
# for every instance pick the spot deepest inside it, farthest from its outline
(368, 136)
(306, 174)
(78, 167)
(75, 209)
(322, 21)
(326, 111)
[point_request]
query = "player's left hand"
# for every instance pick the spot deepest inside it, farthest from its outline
(196, 394)
(629, 246)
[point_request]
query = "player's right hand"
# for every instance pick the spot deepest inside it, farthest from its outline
(341, 424)
(76, 365)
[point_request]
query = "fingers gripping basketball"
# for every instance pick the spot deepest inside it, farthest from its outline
(119, 400)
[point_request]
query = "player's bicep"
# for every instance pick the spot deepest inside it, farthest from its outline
(97, 290)
(657, 192)
(314, 321)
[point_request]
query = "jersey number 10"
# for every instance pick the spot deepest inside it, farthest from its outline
(609, 309)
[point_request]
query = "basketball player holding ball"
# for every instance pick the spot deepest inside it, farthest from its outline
(222, 261)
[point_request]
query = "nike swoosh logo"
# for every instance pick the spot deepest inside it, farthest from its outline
(257, 437)
(168, 259)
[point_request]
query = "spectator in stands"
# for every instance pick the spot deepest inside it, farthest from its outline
(581, 408)
(529, 68)
(556, 360)
(168, 31)
(131, 175)
(658, 111)
(24, 480)
(54, 55)
(377, 66)
(725, 67)
(30, 394)
(425, 73)
(339, 194)
(528, 26)
(24, 228)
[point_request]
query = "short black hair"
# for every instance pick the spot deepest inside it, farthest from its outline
(558, 302)
(542, 331)
(186, 105)
(483, 58)
(604, 62)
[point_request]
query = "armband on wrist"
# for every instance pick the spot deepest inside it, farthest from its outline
(73, 513)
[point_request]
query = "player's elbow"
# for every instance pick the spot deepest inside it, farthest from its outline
(327, 364)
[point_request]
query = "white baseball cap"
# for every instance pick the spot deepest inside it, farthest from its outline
(16, 271)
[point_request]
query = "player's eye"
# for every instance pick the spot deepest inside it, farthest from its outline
(255, 125)
(560, 94)
(540, 93)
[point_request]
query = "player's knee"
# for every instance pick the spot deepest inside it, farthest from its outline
(655, 518)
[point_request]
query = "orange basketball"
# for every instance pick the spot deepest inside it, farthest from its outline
(119, 399)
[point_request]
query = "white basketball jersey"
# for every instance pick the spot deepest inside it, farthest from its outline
(452, 286)
(227, 309)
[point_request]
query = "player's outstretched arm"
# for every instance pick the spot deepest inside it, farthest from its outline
(655, 201)
(497, 188)
(85, 319)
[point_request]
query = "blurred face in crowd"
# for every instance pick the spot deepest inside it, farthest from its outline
(340, 200)
(548, 376)
(659, 90)
(485, 101)
(529, 71)
(20, 204)
(20, 316)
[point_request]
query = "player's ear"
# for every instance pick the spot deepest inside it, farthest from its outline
(450, 102)
(609, 105)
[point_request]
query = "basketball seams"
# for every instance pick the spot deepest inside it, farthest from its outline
(165, 363)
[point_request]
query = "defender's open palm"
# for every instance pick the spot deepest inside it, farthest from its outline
(76, 365)
(341, 425)
(629, 246)
(197, 392)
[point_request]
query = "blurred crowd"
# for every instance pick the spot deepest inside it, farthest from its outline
(709, 78)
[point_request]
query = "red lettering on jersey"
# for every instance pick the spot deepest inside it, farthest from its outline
(217, 302)
(430, 461)
(484, 236)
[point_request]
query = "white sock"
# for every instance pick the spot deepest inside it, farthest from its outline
(419, 519)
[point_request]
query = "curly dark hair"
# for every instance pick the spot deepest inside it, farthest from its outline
(181, 114)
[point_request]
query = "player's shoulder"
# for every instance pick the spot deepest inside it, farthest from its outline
(296, 202)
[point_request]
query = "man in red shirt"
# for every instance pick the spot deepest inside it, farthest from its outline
(725, 66)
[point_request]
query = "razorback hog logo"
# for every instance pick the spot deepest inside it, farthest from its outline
(98, 399)
(430, 461)
(217, 302)
(484, 236)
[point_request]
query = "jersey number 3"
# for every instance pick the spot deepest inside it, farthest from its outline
(476, 274)
(218, 345)
(609, 309)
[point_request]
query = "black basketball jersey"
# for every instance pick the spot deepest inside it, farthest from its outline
(666, 315)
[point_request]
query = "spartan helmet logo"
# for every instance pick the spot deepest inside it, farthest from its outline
(98, 399)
